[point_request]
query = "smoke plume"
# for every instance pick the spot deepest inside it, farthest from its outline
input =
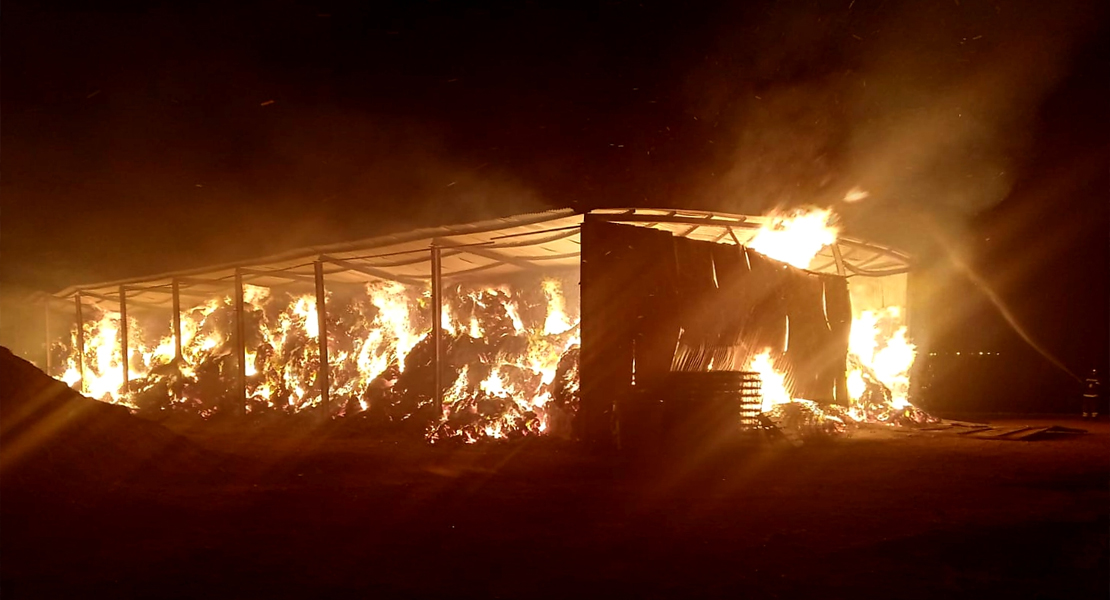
(926, 106)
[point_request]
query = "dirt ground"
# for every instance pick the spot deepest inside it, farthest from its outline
(876, 515)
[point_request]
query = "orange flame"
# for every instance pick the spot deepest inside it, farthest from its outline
(282, 354)
(879, 350)
(797, 237)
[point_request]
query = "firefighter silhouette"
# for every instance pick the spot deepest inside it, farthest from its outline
(1091, 389)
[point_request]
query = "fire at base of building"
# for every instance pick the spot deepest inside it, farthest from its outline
(483, 331)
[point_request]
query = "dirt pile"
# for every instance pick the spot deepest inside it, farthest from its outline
(51, 435)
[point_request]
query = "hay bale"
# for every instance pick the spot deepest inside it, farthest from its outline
(51, 435)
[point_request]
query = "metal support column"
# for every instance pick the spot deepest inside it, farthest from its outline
(124, 355)
(840, 382)
(323, 378)
(437, 328)
(240, 341)
(176, 320)
(179, 384)
(840, 270)
(46, 332)
(80, 342)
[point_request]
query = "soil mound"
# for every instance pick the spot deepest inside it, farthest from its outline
(52, 435)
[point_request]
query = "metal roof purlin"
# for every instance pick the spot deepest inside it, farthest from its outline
(378, 273)
(490, 254)
(554, 235)
(364, 244)
(279, 274)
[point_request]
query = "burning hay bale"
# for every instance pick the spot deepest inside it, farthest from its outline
(877, 403)
(502, 349)
(508, 387)
(803, 421)
(502, 353)
(565, 395)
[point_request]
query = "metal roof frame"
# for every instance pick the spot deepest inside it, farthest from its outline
(493, 248)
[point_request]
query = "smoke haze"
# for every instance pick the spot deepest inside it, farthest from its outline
(929, 107)
(140, 140)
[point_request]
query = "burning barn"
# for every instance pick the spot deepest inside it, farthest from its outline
(555, 323)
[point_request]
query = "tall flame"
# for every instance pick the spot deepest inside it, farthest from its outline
(556, 321)
(796, 238)
(879, 351)
(880, 356)
(772, 381)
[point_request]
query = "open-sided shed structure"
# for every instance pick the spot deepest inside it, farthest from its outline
(482, 251)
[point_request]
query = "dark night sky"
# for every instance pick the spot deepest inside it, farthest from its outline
(135, 139)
